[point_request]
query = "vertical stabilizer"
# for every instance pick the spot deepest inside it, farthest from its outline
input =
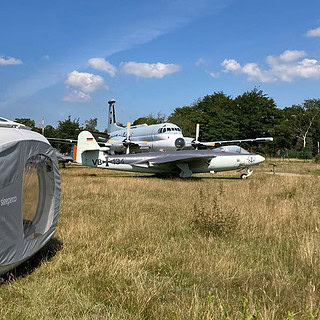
(86, 142)
(112, 125)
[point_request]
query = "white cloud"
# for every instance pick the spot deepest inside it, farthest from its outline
(82, 84)
(285, 67)
(102, 65)
(77, 96)
(9, 61)
(149, 70)
(87, 82)
(313, 33)
(292, 55)
(231, 65)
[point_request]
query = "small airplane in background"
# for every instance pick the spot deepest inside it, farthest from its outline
(156, 137)
(183, 163)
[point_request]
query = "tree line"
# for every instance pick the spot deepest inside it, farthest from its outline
(295, 129)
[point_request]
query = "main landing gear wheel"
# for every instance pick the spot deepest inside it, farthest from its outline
(245, 176)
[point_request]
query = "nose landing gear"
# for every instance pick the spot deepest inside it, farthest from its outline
(246, 175)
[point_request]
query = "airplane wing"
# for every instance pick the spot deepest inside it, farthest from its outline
(214, 143)
(134, 145)
(70, 141)
(175, 158)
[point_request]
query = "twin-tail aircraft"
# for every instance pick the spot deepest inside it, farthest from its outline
(157, 137)
(182, 163)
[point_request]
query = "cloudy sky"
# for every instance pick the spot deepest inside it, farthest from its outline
(61, 58)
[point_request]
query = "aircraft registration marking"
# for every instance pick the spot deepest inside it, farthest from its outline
(116, 161)
(100, 162)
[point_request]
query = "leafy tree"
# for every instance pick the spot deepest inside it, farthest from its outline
(257, 114)
(29, 123)
(216, 115)
(186, 118)
(305, 120)
(218, 119)
(50, 131)
(150, 119)
(26, 121)
(91, 124)
(68, 129)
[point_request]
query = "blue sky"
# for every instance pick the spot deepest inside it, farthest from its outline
(61, 58)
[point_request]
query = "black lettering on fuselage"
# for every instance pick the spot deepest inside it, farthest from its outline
(117, 161)
(99, 162)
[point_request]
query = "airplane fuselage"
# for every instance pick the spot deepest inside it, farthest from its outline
(205, 161)
(157, 137)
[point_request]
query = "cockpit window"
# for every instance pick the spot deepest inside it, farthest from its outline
(3, 120)
(164, 130)
(234, 149)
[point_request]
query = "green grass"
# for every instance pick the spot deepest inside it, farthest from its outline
(316, 172)
(132, 246)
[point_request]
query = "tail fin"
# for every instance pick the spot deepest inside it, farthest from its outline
(112, 125)
(86, 142)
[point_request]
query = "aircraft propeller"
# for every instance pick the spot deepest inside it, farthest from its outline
(195, 143)
(127, 140)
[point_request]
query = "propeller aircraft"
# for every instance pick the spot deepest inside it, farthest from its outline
(157, 137)
(183, 163)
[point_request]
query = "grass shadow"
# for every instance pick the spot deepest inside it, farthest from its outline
(26, 268)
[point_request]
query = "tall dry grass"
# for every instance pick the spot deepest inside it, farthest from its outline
(138, 247)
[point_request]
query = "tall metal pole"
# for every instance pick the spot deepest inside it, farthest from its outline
(42, 126)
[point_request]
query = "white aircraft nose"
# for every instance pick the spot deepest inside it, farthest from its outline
(260, 159)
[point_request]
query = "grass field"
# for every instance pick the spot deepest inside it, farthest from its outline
(132, 246)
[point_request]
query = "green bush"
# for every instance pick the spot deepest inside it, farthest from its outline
(305, 154)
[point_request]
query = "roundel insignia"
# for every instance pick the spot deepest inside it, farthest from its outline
(251, 159)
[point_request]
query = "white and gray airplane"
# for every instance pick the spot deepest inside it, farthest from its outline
(183, 163)
(157, 137)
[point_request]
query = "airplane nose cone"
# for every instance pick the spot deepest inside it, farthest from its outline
(260, 159)
(180, 143)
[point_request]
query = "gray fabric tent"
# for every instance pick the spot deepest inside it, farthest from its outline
(29, 193)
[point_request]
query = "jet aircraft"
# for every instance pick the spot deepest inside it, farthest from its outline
(183, 163)
(157, 137)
